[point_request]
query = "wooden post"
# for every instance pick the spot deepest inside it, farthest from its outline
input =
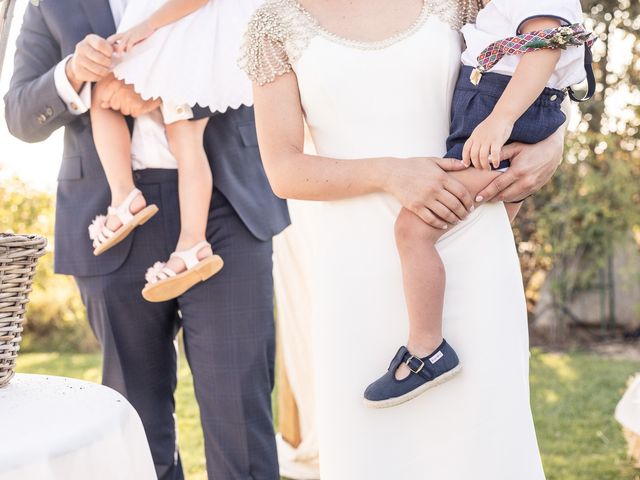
(288, 416)
(6, 15)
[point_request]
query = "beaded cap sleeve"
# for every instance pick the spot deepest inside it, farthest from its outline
(276, 36)
(280, 30)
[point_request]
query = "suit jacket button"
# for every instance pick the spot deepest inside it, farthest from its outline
(49, 112)
(42, 118)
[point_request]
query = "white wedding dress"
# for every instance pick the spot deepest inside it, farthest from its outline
(392, 98)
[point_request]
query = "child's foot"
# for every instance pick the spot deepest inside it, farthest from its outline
(137, 204)
(418, 350)
(184, 269)
(425, 373)
(106, 231)
(177, 265)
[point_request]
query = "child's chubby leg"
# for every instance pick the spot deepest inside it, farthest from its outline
(195, 186)
(423, 272)
(113, 144)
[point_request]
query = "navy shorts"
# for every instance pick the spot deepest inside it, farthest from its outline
(472, 104)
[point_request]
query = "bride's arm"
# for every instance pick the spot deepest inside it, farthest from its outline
(420, 184)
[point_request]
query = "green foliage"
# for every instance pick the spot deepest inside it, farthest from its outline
(594, 199)
(55, 316)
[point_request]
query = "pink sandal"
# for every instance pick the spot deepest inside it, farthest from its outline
(104, 238)
(164, 284)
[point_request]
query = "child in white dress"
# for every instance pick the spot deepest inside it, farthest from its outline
(182, 52)
(521, 58)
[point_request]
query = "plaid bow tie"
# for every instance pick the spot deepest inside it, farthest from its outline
(553, 38)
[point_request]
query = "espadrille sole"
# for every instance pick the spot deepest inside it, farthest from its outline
(140, 218)
(173, 287)
(393, 402)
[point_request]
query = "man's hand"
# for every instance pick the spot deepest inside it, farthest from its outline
(116, 95)
(90, 62)
(532, 166)
(423, 186)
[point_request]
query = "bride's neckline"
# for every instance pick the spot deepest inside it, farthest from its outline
(365, 44)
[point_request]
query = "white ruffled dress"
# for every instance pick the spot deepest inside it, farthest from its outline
(192, 61)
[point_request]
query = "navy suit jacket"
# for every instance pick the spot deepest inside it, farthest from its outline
(34, 110)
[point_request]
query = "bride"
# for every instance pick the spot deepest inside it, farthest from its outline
(373, 80)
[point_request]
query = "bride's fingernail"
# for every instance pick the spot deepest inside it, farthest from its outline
(445, 227)
(473, 207)
(479, 199)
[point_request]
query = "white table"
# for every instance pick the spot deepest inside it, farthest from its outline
(628, 409)
(55, 428)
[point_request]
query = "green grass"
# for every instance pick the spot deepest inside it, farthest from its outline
(573, 396)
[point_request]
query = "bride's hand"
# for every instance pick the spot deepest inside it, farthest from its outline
(423, 186)
(532, 166)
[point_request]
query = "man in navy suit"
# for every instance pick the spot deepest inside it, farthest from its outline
(227, 321)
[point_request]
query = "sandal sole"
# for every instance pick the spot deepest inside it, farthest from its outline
(173, 287)
(140, 218)
(393, 402)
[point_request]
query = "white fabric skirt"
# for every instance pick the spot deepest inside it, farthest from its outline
(192, 61)
(476, 426)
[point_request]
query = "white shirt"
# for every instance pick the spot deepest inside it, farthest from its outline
(501, 18)
(149, 147)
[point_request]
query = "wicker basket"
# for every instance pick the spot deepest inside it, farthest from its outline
(19, 255)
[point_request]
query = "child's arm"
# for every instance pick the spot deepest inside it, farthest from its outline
(529, 80)
(170, 12)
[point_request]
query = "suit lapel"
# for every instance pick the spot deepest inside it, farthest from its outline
(100, 17)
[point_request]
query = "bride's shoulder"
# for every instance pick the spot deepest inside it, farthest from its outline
(276, 36)
(456, 13)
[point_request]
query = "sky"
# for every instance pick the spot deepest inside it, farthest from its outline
(37, 164)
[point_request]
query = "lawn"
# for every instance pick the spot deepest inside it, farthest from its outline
(573, 397)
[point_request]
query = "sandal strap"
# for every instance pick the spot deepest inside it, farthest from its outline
(159, 272)
(166, 272)
(397, 359)
(123, 211)
(418, 366)
(98, 230)
(105, 234)
(190, 257)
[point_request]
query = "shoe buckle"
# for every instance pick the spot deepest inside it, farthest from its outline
(417, 369)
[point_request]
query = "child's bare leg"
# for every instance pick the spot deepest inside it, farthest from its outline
(195, 185)
(113, 143)
(423, 272)
(512, 210)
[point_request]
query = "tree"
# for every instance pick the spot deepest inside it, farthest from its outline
(56, 319)
(594, 200)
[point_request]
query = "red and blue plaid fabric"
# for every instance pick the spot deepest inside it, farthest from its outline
(554, 38)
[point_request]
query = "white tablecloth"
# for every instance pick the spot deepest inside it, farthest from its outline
(628, 409)
(64, 429)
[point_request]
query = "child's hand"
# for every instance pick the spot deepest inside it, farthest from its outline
(483, 148)
(125, 41)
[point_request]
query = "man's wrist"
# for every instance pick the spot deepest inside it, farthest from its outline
(73, 80)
